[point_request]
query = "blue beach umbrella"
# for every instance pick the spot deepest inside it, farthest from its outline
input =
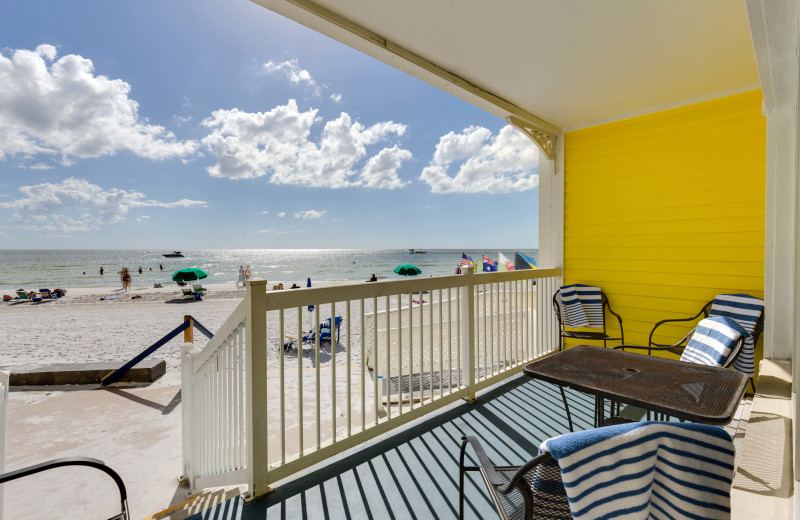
(308, 284)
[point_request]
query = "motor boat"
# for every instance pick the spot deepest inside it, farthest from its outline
(174, 254)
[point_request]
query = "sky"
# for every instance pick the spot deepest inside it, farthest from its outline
(205, 124)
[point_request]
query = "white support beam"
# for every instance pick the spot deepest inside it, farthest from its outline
(551, 207)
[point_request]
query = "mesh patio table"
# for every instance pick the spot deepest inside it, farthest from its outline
(689, 391)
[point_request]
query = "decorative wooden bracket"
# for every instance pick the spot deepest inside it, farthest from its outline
(545, 140)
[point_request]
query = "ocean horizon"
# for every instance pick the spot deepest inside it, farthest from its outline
(50, 268)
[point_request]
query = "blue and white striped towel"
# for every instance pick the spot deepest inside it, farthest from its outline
(713, 340)
(746, 310)
(635, 470)
(581, 306)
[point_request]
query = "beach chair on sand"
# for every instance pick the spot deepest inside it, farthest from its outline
(325, 334)
(23, 296)
(199, 289)
(187, 291)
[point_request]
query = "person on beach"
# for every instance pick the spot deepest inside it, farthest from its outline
(241, 276)
(373, 278)
(161, 267)
(101, 270)
(247, 273)
(125, 277)
(140, 269)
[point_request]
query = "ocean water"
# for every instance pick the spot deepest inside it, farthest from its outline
(66, 268)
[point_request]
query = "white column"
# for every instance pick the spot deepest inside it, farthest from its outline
(551, 208)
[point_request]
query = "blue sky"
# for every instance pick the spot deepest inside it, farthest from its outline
(209, 124)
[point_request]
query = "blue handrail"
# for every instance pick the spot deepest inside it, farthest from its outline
(117, 374)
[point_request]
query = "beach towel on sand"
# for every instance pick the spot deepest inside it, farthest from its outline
(635, 470)
(581, 306)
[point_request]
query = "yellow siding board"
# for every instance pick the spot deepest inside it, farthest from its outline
(665, 211)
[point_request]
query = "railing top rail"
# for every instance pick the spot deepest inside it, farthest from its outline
(227, 328)
(321, 295)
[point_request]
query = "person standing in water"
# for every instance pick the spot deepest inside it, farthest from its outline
(241, 276)
(101, 270)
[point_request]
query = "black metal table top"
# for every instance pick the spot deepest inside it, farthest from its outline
(689, 391)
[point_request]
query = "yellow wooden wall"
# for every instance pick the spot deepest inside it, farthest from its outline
(666, 210)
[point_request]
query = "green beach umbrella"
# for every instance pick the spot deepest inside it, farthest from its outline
(188, 274)
(407, 270)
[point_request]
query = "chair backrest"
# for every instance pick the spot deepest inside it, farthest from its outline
(22, 295)
(661, 468)
(747, 310)
(580, 305)
(716, 340)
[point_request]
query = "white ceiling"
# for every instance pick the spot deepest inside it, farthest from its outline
(572, 63)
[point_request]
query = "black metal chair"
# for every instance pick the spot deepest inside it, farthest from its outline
(75, 461)
(564, 332)
(533, 490)
(677, 348)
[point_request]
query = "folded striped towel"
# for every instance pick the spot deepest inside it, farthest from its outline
(635, 470)
(713, 340)
(746, 310)
(581, 306)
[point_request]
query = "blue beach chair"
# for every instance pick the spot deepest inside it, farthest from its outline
(325, 334)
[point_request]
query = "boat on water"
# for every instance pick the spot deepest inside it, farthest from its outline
(174, 254)
(416, 251)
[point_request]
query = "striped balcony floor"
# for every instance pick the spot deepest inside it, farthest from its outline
(413, 472)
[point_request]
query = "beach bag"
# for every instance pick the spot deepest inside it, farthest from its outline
(6, 298)
(60, 292)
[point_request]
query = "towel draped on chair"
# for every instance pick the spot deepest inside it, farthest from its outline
(746, 310)
(713, 340)
(581, 306)
(630, 471)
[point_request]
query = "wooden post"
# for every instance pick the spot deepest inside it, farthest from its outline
(468, 350)
(188, 332)
(256, 348)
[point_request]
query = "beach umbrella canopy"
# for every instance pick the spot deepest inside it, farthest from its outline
(407, 270)
(188, 274)
(308, 284)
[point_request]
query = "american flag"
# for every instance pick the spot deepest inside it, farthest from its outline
(465, 260)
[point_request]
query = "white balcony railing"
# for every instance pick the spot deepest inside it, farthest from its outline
(3, 426)
(255, 412)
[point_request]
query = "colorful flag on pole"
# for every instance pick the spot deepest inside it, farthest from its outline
(503, 263)
(489, 265)
(523, 262)
(465, 261)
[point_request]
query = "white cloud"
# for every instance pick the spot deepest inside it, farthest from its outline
(61, 108)
(309, 214)
(143, 218)
(40, 166)
(486, 163)
(270, 230)
(381, 169)
(77, 205)
(336, 97)
(292, 71)
(263, 212)
(281, 214)
(277, 144)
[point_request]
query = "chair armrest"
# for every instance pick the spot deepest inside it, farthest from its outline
(658, 347)
(520, 473)
(703, 312)
(483, 459)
